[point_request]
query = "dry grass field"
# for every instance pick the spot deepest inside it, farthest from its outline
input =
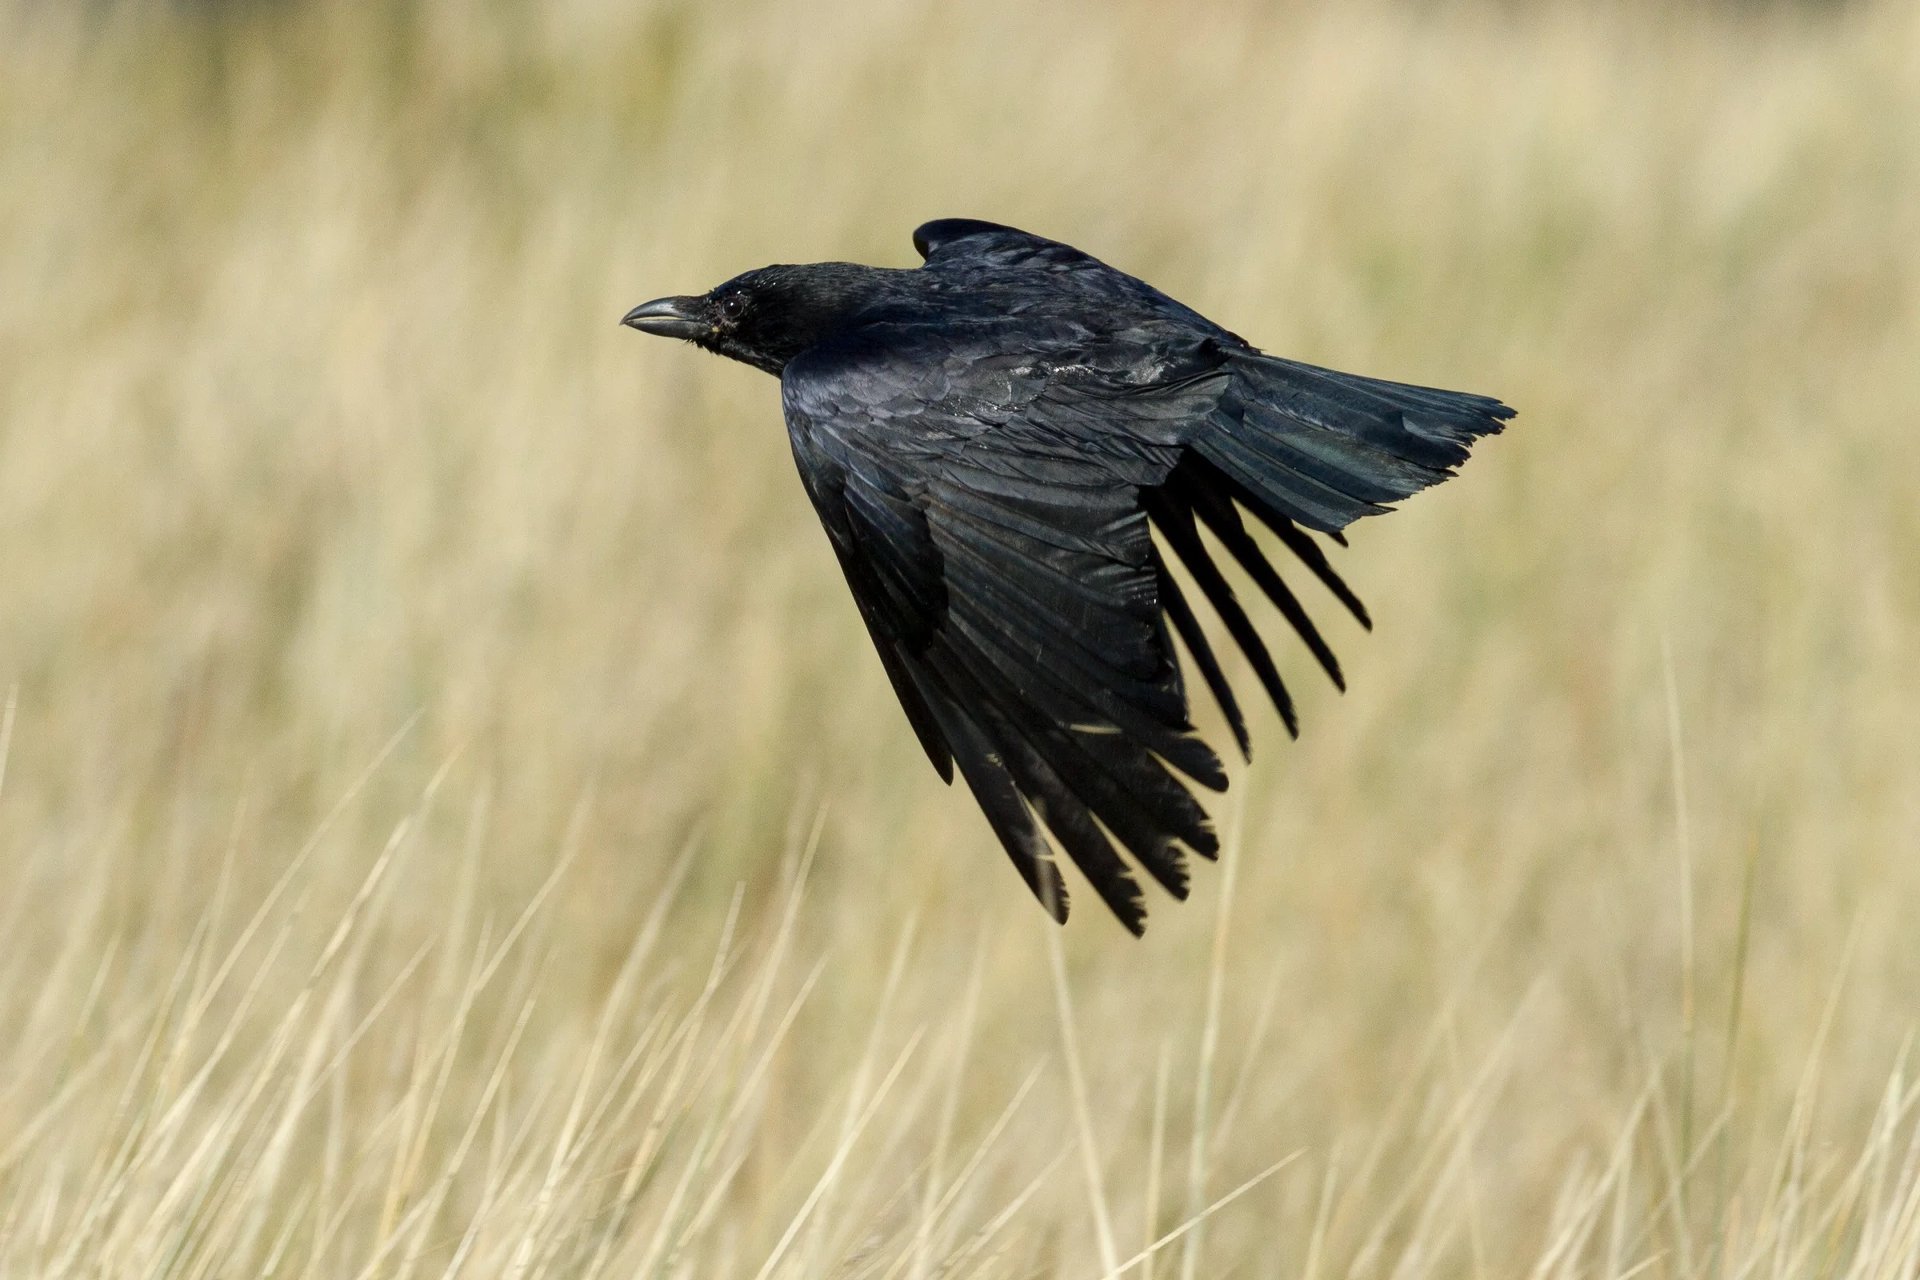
(452, 821)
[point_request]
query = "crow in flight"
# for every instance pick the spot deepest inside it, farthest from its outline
(991, 440)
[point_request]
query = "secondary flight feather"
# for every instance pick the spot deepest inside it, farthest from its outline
(991, 441)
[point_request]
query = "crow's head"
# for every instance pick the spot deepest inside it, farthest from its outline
(767, 317)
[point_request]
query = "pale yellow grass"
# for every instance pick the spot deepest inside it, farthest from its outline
(452, 821)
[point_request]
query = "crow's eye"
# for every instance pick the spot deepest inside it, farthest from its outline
(733, 306)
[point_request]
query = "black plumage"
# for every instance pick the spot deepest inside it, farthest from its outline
(991, 441)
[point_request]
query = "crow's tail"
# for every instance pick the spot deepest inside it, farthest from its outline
(1323, 448)
(1301, 448)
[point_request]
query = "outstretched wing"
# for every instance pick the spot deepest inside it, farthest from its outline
(992, 531)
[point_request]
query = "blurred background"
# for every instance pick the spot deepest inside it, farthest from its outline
(452, 820)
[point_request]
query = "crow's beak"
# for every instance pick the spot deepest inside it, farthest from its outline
(670, 317)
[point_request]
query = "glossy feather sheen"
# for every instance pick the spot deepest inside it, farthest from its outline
(991, 441)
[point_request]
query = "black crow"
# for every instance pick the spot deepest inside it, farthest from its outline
(991, 440)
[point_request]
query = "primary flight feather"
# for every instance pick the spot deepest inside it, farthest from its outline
(991, 440)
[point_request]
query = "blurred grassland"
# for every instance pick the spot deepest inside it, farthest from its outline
(426, 695)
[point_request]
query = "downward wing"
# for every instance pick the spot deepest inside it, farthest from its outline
(999, 552)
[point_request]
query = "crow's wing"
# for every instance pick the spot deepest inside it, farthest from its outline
(986, 255)
(987, 514)
(988, 241)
